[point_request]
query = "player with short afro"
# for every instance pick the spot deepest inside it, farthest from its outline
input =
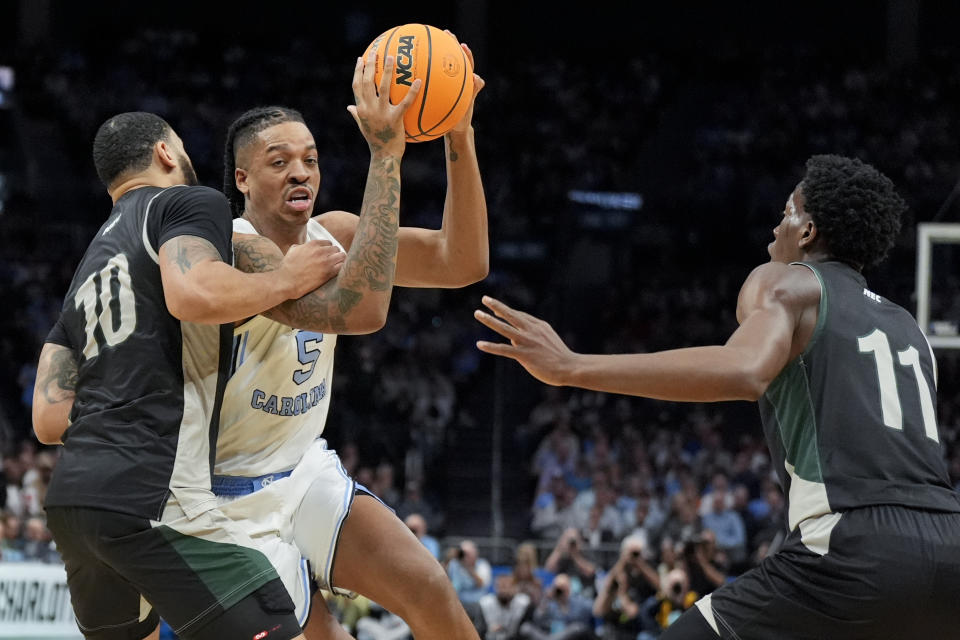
(846, 386)
(854, 206)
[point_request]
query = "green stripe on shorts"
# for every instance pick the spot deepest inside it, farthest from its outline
(231, 572)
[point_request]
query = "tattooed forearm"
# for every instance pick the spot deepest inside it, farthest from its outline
(365, 280)
(185, 251)
(251, 256)
(373, 264)
(453, 152)
(58, 378)
(321, 310)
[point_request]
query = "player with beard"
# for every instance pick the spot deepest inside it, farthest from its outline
(136, 365)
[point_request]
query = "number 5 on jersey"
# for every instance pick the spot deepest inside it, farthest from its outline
(308, 350)
(118, 309)
(878, 344)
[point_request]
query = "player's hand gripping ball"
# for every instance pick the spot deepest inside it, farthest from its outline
(434, 56)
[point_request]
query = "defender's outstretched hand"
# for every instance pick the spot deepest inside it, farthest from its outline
(533, 342)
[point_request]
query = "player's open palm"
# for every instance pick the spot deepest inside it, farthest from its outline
(311, 264)
(380, 121)
(533, 342)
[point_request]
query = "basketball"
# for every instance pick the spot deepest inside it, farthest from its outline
(434, 56)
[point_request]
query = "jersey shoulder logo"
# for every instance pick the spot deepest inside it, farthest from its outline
(111, 225)
(871, 295)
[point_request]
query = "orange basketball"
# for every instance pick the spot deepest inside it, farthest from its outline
(434, 56)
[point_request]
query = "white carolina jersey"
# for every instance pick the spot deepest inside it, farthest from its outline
(278, 395)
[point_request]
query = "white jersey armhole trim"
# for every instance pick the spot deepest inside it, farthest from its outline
(706, 608)
(146, 216)
(242, 225)
(933, 359)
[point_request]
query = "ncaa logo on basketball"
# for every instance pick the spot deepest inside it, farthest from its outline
(405, 60)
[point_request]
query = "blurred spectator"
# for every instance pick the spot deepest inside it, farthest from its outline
(621, 602)
(380, 624)
(11, 544)
(641, 511)
(414, 502)
(348, 611)
(384, 484)
(469, 573)
(675, 597)
(727, 526)
(418, 525)
(38, 545)
(557, 454)
(7, 553)
(580, 477)
(13, 475)
(554, 510)
(768, 509)
(35, 482)
(671, 557)
(719, 497)
(349, 457)
(505, 609)
(706, 565)
(525, 568)
(604, 522)
(568, 556)
(683, 522)
(561, 615)
(599, 451)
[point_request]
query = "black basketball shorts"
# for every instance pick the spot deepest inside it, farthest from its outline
(124, 572)
(889, 573)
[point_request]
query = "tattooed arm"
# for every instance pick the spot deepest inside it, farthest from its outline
(54, 392)
(458, 253)
(199, 287)
(358, 298)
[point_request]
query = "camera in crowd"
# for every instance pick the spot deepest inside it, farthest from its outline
(692, 543)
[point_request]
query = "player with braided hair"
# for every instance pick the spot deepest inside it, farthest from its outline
(274, 472)
(846, 383)
(241, 133)
(136, 365)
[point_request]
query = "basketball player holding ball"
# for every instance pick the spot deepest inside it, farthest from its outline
(275, 473)
(275, 476)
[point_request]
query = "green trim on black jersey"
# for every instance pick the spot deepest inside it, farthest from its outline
(796, 420)
(792, 401)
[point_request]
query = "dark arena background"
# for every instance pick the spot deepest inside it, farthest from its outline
(635, 158)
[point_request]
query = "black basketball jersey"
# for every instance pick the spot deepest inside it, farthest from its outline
(149, 386)
(851, 422)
